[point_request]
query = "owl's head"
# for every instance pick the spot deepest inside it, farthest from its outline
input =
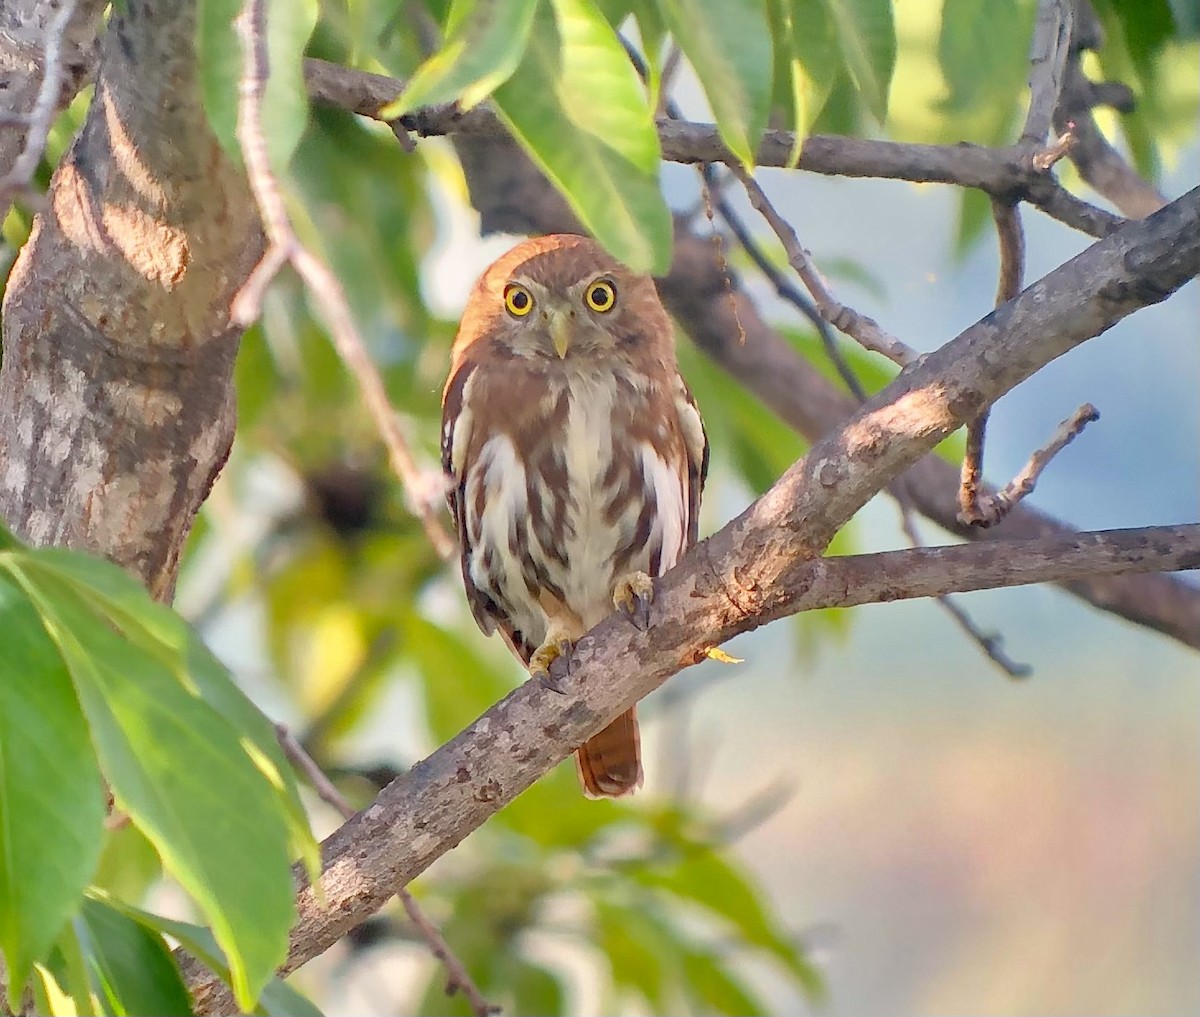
(563, 298)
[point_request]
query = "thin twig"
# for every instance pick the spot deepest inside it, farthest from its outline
(1060, 146)
(995, 507)
(284, 247)
(988, 642)
(1048, 59)
(457, 978)
(1010, 237)
(41, 116)
(863, 330)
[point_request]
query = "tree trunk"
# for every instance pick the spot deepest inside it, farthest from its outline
(116, 394)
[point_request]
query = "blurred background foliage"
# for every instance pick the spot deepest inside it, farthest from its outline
(308, 575)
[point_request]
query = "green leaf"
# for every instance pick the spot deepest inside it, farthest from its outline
(704, 877)
(285, 99)
(709, 981)
(186, 778)
(166, 637)
(866, 33)
(980, 41)
(51, 795)
(807, 61)
(131, 968)
(278, 999)
(66, 987)
(483, 48)
(602, 155)
(728, 43)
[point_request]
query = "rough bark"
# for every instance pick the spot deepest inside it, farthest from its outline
(24, 33)
(116, 399)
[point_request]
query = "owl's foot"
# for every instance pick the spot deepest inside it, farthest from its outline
(632, 595)
(556, 644)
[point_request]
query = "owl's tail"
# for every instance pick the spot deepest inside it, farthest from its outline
(610, 763)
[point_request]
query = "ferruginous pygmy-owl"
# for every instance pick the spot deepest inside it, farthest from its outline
(576, 459)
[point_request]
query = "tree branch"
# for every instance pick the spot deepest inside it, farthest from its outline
(1004, 172)
(764, 565)
(457, 978)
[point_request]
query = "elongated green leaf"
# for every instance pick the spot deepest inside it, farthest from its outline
(707, 879)
(66, 988)
(728, 43)
(131, 968)
(182, 773)
(51, 796)
(162, 634)
(711, 983)
(979, 44)
(812, 40)
(866, 32)
(285, 100)
(278, 999)
(483, 48)
(577, 106)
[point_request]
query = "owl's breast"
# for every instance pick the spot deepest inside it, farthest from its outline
(577, 495)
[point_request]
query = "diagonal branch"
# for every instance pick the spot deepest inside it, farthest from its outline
(764, 565)
(457, 978)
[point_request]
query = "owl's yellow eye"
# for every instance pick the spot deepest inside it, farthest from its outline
(601, 296)
(518, 300)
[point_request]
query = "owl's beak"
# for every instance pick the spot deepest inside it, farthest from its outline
(559, 322)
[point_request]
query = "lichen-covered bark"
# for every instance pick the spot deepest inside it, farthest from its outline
(116, 398)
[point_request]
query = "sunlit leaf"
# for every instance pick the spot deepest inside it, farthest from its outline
(482, 48)
(172, 645)
(285, 100)
(866, 33)
(131, 968)
(51, 796)
(183, 774)
(980, 42)
(278, 998)
(602, 155)
(728, 43)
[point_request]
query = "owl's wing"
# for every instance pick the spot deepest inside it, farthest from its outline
(695, 441)
(458, 420)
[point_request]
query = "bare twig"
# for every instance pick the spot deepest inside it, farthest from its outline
(1010, 237)
(457, 978)
(1098, 162)
(284, 247)
(1060, 146)
(1048, 57)
(41, 116)
(864, 330)
(993, 508)
(988, 643)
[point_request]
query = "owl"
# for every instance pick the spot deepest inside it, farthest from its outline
(575, 458)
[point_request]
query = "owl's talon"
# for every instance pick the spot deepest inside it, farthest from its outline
(632, 595)
(555, 645)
